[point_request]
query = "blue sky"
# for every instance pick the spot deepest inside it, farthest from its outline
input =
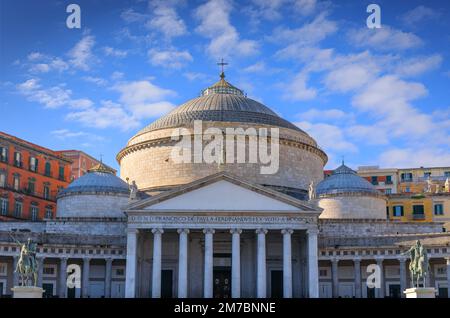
(375, 96)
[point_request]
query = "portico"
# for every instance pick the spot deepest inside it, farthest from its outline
(233, 245)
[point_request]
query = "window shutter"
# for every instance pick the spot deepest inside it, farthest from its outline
(36, 164)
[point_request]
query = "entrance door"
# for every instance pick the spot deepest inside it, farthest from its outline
(117, 289)
(2, 286)
(166, 283)
(394, 291)
(48, 290)
(222, 283)
(325, 290)
(276, 284)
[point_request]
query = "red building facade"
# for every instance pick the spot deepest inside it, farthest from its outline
(30, 178)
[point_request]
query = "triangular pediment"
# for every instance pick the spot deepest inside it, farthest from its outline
(222, 192)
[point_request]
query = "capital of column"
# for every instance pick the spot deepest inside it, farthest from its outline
(108, 260)
(357, 260)
(157, 231)
(132, 231)
(236, 231)
(312, 231)
(261, 231)
(287, 231)
(64, 259)
(402, 260)
(379, 260)
(86, 259)
(209, 231)
(185, 231)
(334, 260)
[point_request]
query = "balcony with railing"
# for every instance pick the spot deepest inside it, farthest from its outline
(44, 195)
(433, 178)
(418, 216)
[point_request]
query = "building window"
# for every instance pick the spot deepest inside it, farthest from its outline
(48, 168)
(48, 214)
(3, 270)
(407, 189)
(34, 212)
(418, 212)
(61, 173)
(4, 206)
(323, 273)
(18, 159)
(46, 192)
(2, 179)
(31, 187)
(374, 180)
(16, 182)
(388, 191)
(3, 154)
(387, 212)
(439, 209)
(426, 174)
(406, 176)
(18, 209)
(33, 164)
(388, 179)
(398, 210)
(447, 174)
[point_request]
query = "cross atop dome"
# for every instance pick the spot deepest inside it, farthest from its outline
(222, 64)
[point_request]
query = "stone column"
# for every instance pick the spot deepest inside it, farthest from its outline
(335, 277)
(448, 276)
(261, 265)
(182, 263)
(15, 274)
(108, 276)
(357, 270)
(85, 284)
(381, 290)
(62, 278)
(156, 268)
(130, 279)
(209, 263)
(40, 263)
(402, 265)
(287, 263)
(313, 264)
(236, 263)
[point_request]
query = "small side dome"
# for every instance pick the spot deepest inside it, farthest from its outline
(345, 195)
(99, 179)
(345, 180)
(97, 194)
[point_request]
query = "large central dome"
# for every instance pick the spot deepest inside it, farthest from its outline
(147, 158)
(220, 102)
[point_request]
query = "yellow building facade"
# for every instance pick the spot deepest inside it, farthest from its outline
(419, 208)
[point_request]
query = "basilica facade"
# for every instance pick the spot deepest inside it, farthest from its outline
(223, 229)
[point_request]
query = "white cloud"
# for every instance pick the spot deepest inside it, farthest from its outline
(66, 133)
(81, 55)
(34, 56)
(96, 80)
(418, 15)
(333, 114)
(329, 137)
(82, 103)
(116, 75)
(145, 99)
(109, 51)
(384, 39)
(258, 67)
(349, 77)
(369, 134)
(214, 17)
(109, 114)
(165, 19)
(418, 65)
(52, 97)
(308, 34)
(130, 16)
(170, 58)
(40, 68)
(305, 7)
(297, 89)
(415, 157)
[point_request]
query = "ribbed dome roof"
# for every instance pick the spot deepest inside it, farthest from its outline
(98, 179)
(220, 102)
(345, 180)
